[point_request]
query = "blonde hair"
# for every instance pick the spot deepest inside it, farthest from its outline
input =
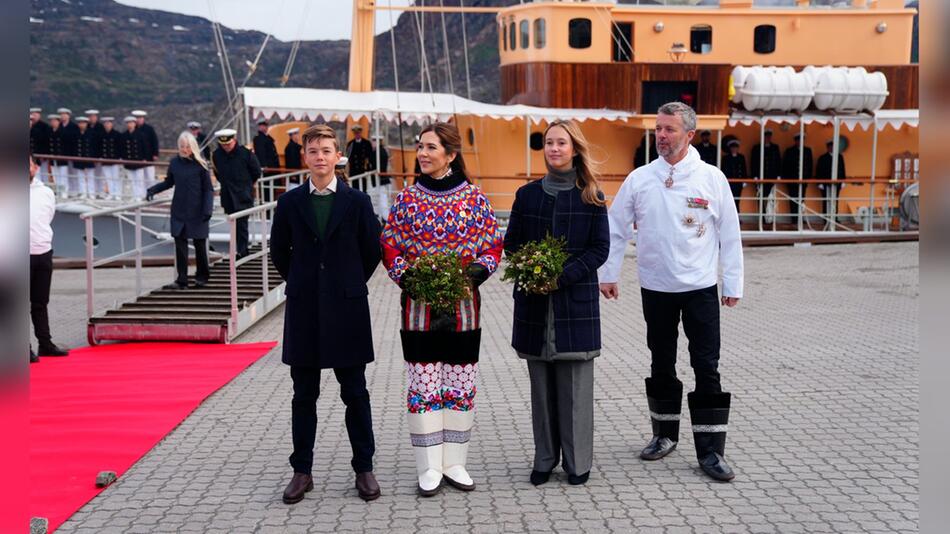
(587, 175)
(193, 144)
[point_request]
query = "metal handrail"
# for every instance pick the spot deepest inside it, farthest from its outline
(234, 262)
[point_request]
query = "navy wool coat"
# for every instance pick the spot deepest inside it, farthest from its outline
(193, 199)
(326, 317)
(576, 301)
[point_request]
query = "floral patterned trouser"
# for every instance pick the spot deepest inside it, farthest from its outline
(434, 386)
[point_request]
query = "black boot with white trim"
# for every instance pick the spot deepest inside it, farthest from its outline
(710, 418)
(665, 398)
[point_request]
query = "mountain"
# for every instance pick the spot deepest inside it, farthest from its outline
(98, 53)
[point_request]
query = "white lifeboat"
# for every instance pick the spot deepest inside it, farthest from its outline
(771, 88)
(846, 89)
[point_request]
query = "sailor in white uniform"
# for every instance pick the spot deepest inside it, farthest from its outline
(687, 229)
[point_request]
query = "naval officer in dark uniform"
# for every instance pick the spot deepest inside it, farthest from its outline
(110, 147)
(293, 149)
(151, 144)
(707, 150)
(773, 163)
(40, 133)
(236, 169)
(790, 172)
(733, 166)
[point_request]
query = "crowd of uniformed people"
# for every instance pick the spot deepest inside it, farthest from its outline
(777, 165)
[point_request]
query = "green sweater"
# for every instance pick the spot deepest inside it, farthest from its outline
(322, 205)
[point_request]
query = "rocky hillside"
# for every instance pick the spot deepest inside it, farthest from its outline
(98, 53)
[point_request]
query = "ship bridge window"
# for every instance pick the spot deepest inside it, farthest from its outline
(578, 33)
(764, 39)
(539, 36)
(525, 38)
(503, 33)
(512, 37)
(623, 41)
(700, 39)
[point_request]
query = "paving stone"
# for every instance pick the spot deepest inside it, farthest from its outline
(822, 349)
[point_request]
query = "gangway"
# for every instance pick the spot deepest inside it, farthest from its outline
(240, 291)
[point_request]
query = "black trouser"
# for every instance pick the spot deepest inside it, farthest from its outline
(794, 190)
(41, 276)
(736, 188)
(700, 312)
(201, 259)
(241, 228)
(359, 418)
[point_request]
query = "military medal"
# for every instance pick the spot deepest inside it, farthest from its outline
(669, 180)
(696, 202)
(689, 220)
(701, 230)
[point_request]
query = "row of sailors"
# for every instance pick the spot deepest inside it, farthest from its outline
(775, 164)
(90, 136)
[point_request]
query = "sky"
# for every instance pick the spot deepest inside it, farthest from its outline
(325, 19)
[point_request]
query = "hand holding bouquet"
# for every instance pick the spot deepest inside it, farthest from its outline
(537, 265)
(438, 280)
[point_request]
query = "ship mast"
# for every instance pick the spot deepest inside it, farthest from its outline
(362, 41)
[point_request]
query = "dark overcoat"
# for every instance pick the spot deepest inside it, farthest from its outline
(326, 317)
(110, 145)
(69, 139)
(193, 199)
(576, 301)
(151, 141)
(39, 138)
(773, 161)
(790, 163)
(266, 150)
(134, 148)
(87, 147)
(236, 171)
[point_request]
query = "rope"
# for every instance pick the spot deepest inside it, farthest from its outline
(392, 43)
(420, 28)
(445, 52)
(295, 47)
(611, 26)
(468, 78)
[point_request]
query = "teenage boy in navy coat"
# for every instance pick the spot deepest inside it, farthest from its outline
(325, 244)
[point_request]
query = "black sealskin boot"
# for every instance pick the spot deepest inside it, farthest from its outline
(665, 399)
(710, 416)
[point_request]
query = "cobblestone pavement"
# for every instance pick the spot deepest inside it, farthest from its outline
(821, 358)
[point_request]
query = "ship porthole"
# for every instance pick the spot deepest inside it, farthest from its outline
(95, 241)
(536, 141)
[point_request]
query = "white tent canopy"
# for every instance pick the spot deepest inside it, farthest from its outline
(885, 117)
(337, 105)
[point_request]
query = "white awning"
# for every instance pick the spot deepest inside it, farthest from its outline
(885, 117)
(336, 105)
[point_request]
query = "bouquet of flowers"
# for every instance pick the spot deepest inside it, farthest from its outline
(536, 267)
(438, 280)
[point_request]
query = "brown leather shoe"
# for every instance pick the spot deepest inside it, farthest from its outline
(366, 486)
(299, 485)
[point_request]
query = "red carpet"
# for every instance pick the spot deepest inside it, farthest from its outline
(102, 408)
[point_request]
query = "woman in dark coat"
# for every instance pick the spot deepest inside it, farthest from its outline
(192, 205)
(559, 333)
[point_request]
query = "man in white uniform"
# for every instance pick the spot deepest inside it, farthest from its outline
(687, 228)
(42, 211)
